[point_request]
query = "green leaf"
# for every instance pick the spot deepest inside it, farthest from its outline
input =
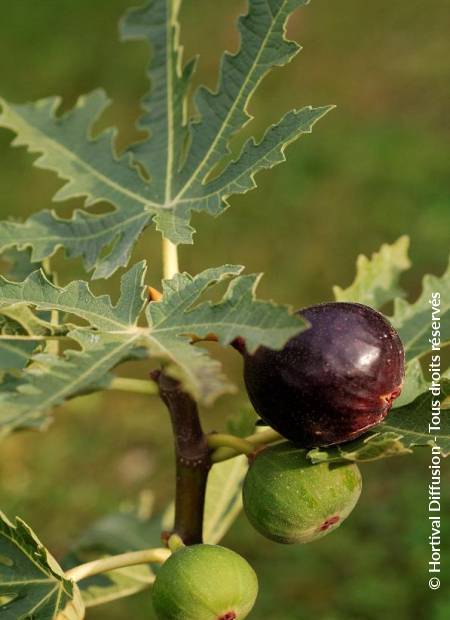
(76, 298)
(173, 170)
(223, 498)
(238, 176)
(223, 112)
(362, 450)
(376, 280)
(113, 534)
(116, 584)
(84, 234)
(413, 386)
(164, 106)
(414, 321)
(32, 585)
(119, 532)
(113, 336)
(50, 380)
(175, 321)
(403, 429)
(19, 263)
(90, 168)
(15, 354)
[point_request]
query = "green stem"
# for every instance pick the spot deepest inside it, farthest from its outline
(104, 565)
(169, 259)
(174, 543)
(238, 444)
(139, 386)
(256, 440)
(52, 345)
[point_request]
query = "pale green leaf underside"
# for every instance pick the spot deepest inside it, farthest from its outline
(176, 319)
(112, 335)
(377, 283)
(76, 298)
(414, 321)
(15, 354)
(32, 585)
(223, 498)
(50, 380)
(116, 584)
(376, 280)
(114, 534)
(403, 429)
(179, 155)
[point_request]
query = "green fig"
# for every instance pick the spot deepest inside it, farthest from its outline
(290, 500)
(204, 582)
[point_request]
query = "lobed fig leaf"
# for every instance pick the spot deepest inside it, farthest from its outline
(32, 584)
(180, 155)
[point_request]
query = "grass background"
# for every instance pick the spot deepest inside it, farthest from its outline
(374, 169)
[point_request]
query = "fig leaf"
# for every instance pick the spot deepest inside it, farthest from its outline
(112, 335)
(405, 428)
(179, 155)
(31, 582)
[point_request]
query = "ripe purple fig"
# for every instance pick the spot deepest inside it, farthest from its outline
(333, 381)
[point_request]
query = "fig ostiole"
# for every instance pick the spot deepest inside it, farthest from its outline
(333, 381)
(204, 582)
(290, 500)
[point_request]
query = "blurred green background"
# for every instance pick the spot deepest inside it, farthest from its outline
(373, 169)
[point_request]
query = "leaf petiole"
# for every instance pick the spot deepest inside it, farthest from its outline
(104, 565)
(138, 386)
(229, 446)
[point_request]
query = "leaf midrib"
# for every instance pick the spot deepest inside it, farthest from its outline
(233, 107)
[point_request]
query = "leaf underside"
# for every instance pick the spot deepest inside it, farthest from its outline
(111, 334)
(32, 585)
(407, 425)
(179, 154)
(404, 428)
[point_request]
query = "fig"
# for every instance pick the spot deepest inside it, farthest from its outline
(333, 381)
(204, 582)
(290, 500)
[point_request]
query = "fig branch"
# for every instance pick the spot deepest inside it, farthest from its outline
(193, 460)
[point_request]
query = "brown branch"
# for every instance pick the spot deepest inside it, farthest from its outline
(193, 460)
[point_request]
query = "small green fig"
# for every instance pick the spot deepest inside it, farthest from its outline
(290, 500)
(204, 582)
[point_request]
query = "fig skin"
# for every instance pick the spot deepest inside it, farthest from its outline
(333, 381)
(290, 500)
(204, 582)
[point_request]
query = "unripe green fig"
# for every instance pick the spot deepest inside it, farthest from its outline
(204, 582)
(290, 500)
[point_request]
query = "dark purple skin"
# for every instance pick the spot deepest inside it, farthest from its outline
(332, 382)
